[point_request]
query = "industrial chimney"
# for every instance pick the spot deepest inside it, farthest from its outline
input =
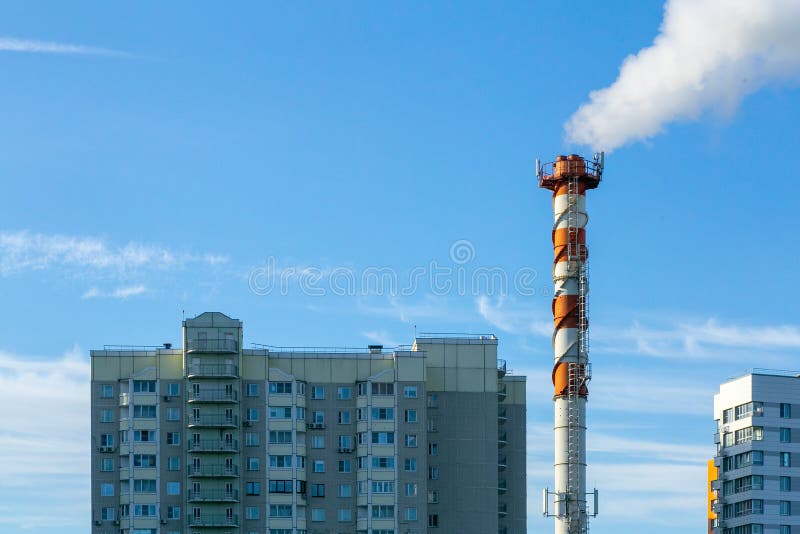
(568, 178)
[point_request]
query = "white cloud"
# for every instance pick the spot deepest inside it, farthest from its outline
(118, 293)
(13, 44)
(382, 337)
(25, 251)
(45, 440)
(512, 318)
(709, 54)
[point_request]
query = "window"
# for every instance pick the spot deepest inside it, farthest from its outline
(344, 418)
(107, 464)
(384, 414)
(107, 440)
(251, 439)
(382, 511)
(144, 486)
(785, 459)
(173, 438)
(107, 513)
(433, 520)
(383, 462)
(252, 512)
(433, 400)
(410, 392)
(280, 412)
(173, 512)
(433, 496)
(123, 436)
(786, 508)
(382, 486)
(411, 416)
(144, 460)
(317, 392)
(173, 488)
(361, 389)
(345, 490)
(343, 393)
(786, 483)
(301, 413)
(411, 489)
(173, 389)
(253, 464)
(433, 449)
(280, 510)
(144, 510)
(280, 436)
(317, 490)
(173, 414)
(318, 442)
(361, 414)
(277, 486)
(751, 433)
(144, 412)
(107, 416)
(410, 465)
(280, 387)
(144, 436)
(319, 466)
(786, 529)
(345, 443)
(344, 515)
(343, 466)
(411, 440)
(786, 410)
(252, 414)
(382, 388)
(301, 462)
(254, 488)
(383, 438)
(106, 391)
(317, 514)
(280, 461)
(318, 417)
(144, 386)
(252, 389)
(411, 514)
(432, 426)
(107, 490)
(433, 473)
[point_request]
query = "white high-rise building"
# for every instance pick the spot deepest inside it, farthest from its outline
(753, 482)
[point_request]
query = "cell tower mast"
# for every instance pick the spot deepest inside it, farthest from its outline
(569, 177)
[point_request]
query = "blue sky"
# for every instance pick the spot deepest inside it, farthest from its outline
(160, 159)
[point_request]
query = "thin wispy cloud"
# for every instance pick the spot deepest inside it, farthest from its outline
(510, 317)
(382, 337)
(26, 251)
(31, 46)
(118, 293)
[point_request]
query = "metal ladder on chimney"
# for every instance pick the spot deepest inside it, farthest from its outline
(576, 256)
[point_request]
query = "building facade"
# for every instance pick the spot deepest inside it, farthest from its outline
(753, 481)
(213, 438)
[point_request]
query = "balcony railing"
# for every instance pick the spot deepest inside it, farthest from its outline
(214, 395)
(502, 487)
(502, 510)
(213, 471)
(212, 495)
(501, 368)
(212, 345)
(502, 463)
(212, 370)
(214, 445)
(212, 420)
(501, 393)
(502, 415)
(502, 439)
(214, 520)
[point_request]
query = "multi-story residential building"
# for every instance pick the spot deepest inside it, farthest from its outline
(213, 438)
(753, 481)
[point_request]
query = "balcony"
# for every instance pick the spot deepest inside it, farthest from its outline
(502, 416)
(502, 439)
(124, 399)
(214, 495)
(501, 368)
(212, 420)
(214, 395)
(502, 463)
(212, 370)
(212, 345)
(213, 470)
(213, 520)
(502, 510)
(501, 393)
(214, 445)
(502, 487)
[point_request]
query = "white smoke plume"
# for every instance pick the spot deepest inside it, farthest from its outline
(708, 55)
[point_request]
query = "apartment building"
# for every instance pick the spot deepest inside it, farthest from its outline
(753, 481)
(214, 438)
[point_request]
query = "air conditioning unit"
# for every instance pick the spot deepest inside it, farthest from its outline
(163, 521)
(247, 423)
(98, 522)
(116, 522)
(167, 398)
